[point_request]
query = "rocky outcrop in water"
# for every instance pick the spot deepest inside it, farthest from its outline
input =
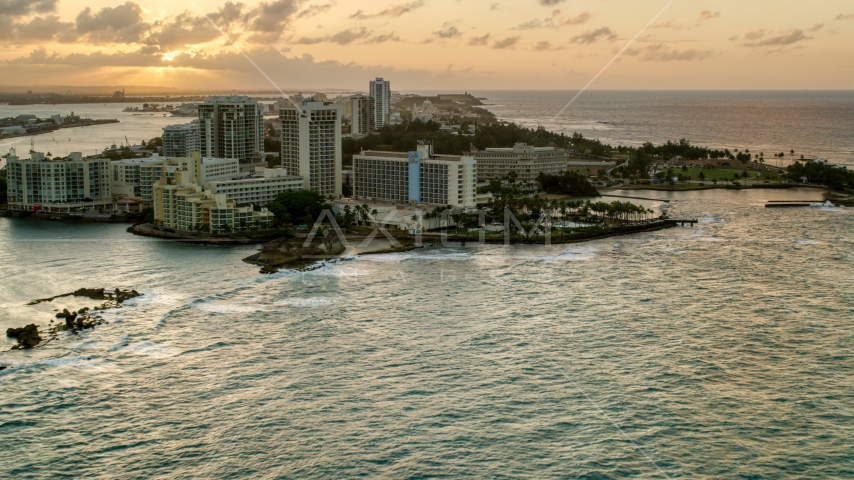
(72, 321)
(285, 252)
(117, 296)
(28, 337)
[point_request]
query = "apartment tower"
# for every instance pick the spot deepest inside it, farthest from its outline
(311, 144)
(381, 93)
(232, 127)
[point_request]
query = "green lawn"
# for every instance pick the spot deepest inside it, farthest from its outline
(721, 174)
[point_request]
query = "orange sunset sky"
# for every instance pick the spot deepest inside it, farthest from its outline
(429, 44)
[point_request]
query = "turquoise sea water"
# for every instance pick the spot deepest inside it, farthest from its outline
(719, 350)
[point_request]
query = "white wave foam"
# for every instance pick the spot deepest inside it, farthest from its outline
(808, 242)
(220, 307)
(577, 253)
(153, 350)
(309, 302)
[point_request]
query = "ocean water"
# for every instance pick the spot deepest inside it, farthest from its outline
(812, 123)
(88, 140)
(722, 350)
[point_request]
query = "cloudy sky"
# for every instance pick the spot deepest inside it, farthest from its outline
(430, 44)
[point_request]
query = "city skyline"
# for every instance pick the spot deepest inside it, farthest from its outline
(423, 44)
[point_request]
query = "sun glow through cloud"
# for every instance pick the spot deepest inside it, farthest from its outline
(340, 43)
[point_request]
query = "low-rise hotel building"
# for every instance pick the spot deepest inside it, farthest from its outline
(58, 185)
(134, 177)
(182, 204)
(417, 177)
(527, 161)
(259, 189)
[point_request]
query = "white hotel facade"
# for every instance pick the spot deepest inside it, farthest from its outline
(527, 161)
(416, 177)
(57, 185)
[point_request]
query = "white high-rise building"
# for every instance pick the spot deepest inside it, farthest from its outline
(58, 185)
(362, 115)
(381, 93)
(420, 177)
(232, 127)
(311, 144)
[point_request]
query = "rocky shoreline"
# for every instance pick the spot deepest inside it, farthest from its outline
(292, 253)
(153, 231)
(75, 321)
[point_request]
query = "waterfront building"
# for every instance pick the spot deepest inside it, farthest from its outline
(418, 177)
(179, 140)
(311, 145)
(232, 127)
(134, 177)
(69, 184)
(260, 188)
(182, 204)
(380, 91)
(363, 118)
(589, 167)
(527, 161)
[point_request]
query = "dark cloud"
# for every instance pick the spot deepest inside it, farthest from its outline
(545, 46)
(450, 32)
(706, 15)
(38, 30)
(284, 70)
(389, 37)
(19, 8)
(181, 31)
(509, 42)
(663, 53)
(782, 40)
(313, 10)
(669, 24)
(816, 27)
(845, 16)
(556, 21)
(755, 35)
(393, 11)
(120, 24)
(550, 3)
(479, 41)
(344, 37)
(593, 36)
(267, 21)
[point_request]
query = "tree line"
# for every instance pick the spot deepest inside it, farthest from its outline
(835, 178)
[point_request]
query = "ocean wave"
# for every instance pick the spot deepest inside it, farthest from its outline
(308, 302)
(576, 253)
(152, 350)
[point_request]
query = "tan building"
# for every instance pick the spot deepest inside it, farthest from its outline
(183, 205)
(527, 161)
(133, 178)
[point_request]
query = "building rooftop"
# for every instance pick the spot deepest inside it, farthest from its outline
(229, 99)
(405, 155)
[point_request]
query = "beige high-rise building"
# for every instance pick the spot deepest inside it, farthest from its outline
(311, 144)
(232, 127)
(362, 118)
